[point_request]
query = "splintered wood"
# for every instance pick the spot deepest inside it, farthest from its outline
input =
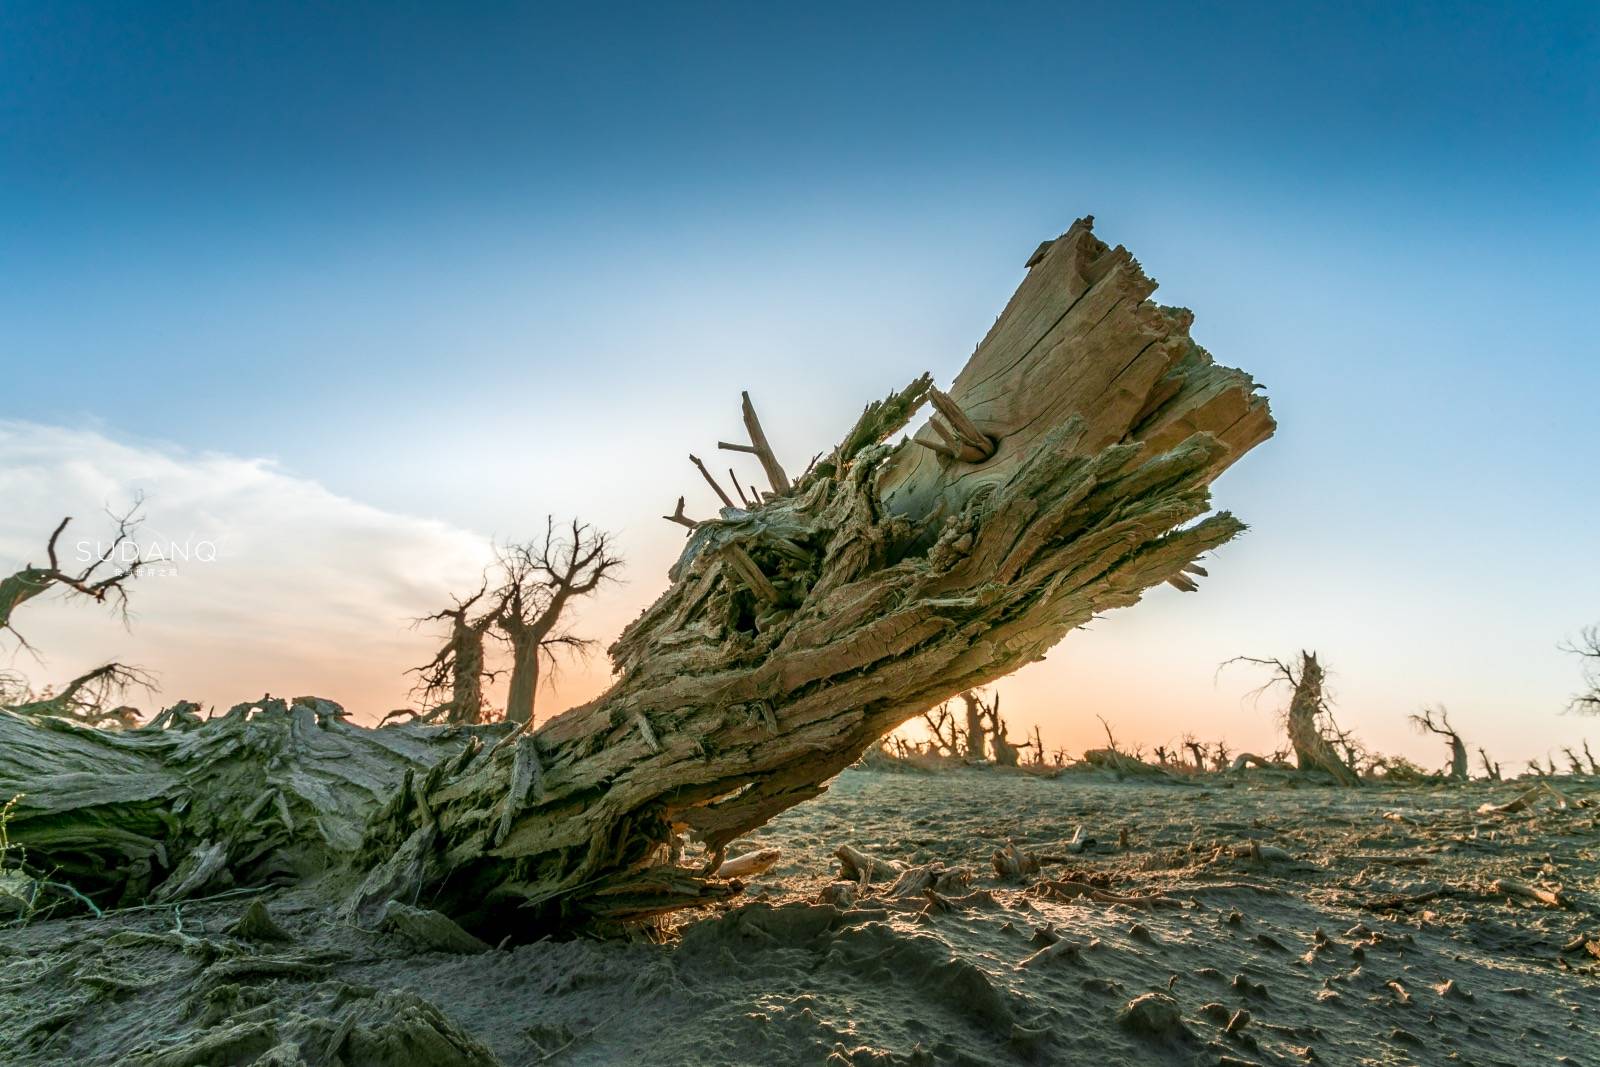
(1065, 472)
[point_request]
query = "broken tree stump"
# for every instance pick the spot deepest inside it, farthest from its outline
(1073, 457)
(903, 577)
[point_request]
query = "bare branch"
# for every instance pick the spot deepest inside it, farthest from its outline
(716, 486)
(90, 581)
(1588, 648)
(679, 517)
(88, 698)
(759, 447)
(538, 581)
(737, 488)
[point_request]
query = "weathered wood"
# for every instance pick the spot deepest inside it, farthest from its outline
(918, 579)
(269, 790)
(1312, 749)
(963, 437)
(679, 517)
(759, 448)
(796, 634)
(716, 486)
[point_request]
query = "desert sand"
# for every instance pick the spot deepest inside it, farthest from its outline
(1243, 919)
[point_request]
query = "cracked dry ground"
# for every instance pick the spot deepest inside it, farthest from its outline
(1254, 922)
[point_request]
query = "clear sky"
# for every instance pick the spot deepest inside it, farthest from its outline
(354, 288)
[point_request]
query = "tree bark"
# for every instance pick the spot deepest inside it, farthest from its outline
(524, 685)
(270, 790)
(887, 579)
(904, 577)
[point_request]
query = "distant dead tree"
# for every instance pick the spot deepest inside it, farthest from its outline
(1036, 744)
(89, 698)
(1309, 720)
(1588, 647)
(14, 689)
(451, 684)
(1006, 754)
(1197, 751)
(1574, 764)
(541, 579)
(103, 578)
(1490, 768)
(942, 725)
(976, 746)
(1427, 723)
(986, 716)
(1594, 767)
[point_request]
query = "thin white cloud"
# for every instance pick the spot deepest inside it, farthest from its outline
(279, 584)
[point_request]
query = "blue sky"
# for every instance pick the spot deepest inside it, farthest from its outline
(472, 263)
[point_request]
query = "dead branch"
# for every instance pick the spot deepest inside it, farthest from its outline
(679, 517)
(1587, 648)
(89, 698)
(942, 726)
(759, 447)
(1426, 723)
(716, 486)
(103, 578)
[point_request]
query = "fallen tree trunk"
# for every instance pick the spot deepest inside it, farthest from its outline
(269, 791)
(1064, 474)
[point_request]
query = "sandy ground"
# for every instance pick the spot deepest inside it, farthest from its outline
(1272, 924)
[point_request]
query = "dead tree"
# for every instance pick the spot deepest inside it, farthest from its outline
(942, 726)
(1594, 767)
(1309, 721)
(90, 698)
(1425, 723)
(451, 684)
(1037, 745)
(793, 636)
(1588, 648)
(103, 578)
(977, 746)
(1490, 769)
(541, 579)
(1574, 764)
(1197, 751)
(1006, 754)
